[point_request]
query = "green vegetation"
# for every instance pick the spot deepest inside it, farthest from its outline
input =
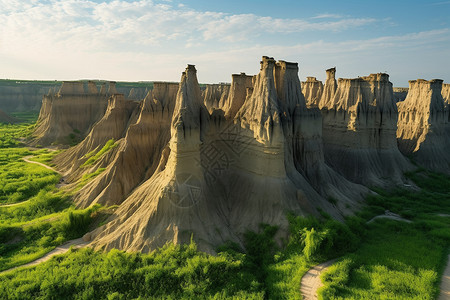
(43, 217)
(93, 157)
(20, 180)
(173, 272)
(397, 260)
(384, 259)
(12, 135)
(29, 117)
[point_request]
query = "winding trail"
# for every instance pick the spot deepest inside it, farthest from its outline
(27, 159)
(445, 282)
(311, 280)
(14, 204)
(77, 243)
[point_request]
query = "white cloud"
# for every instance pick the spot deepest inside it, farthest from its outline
(149, 40)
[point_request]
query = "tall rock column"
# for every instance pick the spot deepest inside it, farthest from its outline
(359, 130)
(422, 125)
(312, 89)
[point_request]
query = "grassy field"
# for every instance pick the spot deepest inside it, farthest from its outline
(398, 260)
(44, 216)
(385, 259)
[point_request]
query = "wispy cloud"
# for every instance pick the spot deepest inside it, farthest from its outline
(153, 40)
(327, 16)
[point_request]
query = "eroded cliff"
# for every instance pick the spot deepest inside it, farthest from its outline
(422, 123)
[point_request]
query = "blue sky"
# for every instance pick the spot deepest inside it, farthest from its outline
(154, 40)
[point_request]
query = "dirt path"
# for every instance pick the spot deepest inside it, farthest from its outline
(311, 280)
(14, 204)
(77, 243)
(445, 282)
(27, 159)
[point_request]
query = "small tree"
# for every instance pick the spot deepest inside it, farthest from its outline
(311, 240)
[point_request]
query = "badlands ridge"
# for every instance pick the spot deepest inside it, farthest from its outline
(209, 165)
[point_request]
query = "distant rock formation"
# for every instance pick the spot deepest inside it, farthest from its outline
(23, 96)
(5, 118)
(241, 88)
(359, 129)
(213, 176)
(214, 94)
(68, 115)
(400, 93)
(422, 123)
(312, 90)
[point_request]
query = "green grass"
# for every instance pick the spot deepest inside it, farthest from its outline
(172, 272)
(20, 180)
(397, 260)
(44, 217)
(11, 133)
(92, 157)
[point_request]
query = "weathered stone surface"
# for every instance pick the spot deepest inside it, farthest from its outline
(359, 130)
(422, 123)
(218, 177)
(312, 90)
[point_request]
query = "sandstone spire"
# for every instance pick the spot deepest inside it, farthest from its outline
(422, 125)
(359, 125)
(312, 89)
(240, 83)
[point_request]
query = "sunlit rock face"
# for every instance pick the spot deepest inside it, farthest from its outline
(312, 90)
(359, 130)
(422, 125)
(70, 114)
(214, 95)
(214, 174)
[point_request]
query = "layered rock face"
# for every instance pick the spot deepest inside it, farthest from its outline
(359, 130)
(312, 90)
(241, 88)
(214, 177)
(400, 93)
(23, 96)
(422, 123)
(214, 94)
(70, 114)
(141, 131)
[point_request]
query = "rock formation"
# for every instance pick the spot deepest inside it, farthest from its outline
(400, 93)
(5, 118)
(422, 125)
(68, 116)
(359, 129)
(23, 96)
(312, 90)
(241, 88)
(141, 133)
(212, 177)
(214, 94)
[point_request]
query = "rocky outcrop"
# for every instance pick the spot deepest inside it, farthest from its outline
(5, 118)
(23, 96)
(142, 134)
(359, 130)
(400, 93)
(312, 90)
(216, 177)
(214, 94)
(422, 125)
(241, 88)
(67, 117)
